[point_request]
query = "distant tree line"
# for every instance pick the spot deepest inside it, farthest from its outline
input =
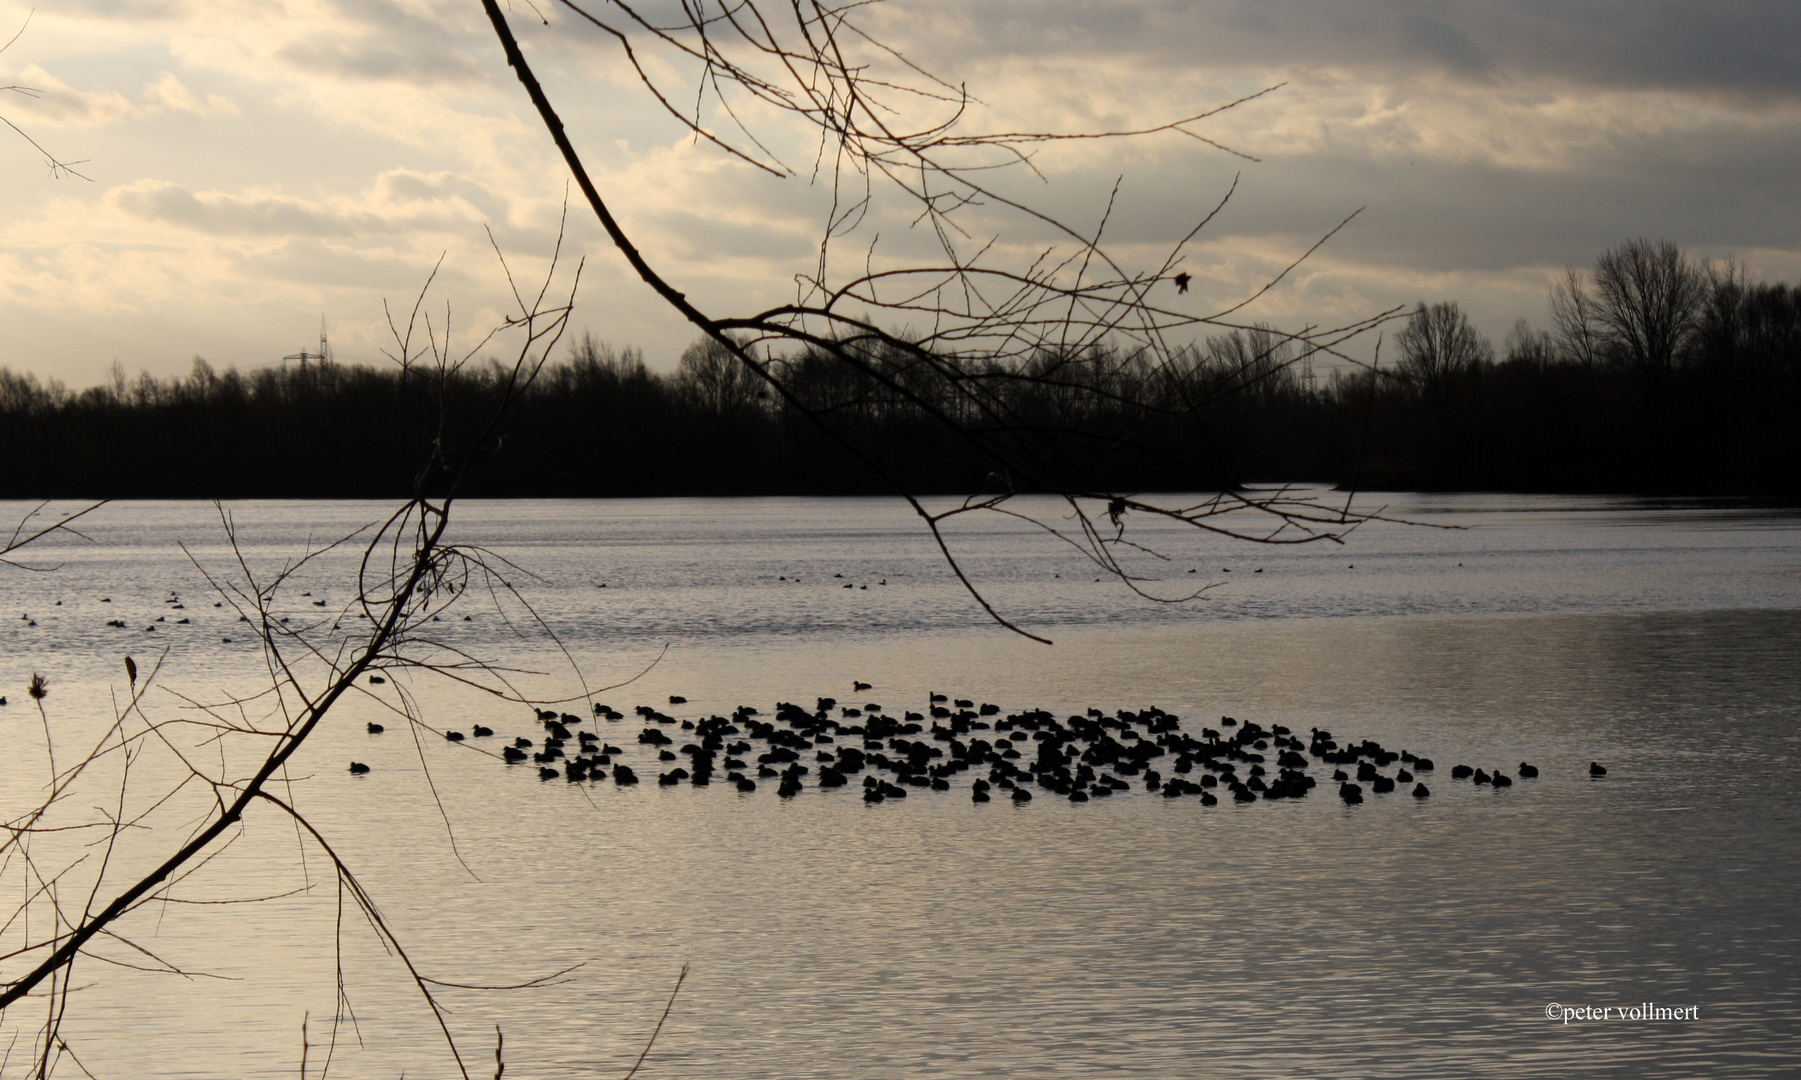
(600, 422)
(1658, 374)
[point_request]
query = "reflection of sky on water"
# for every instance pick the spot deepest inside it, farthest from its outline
(678, 569)
(939, 938)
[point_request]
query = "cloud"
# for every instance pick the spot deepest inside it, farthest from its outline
(49, 101)
(418, 63)
(1735, 46)
(381, 40)
(218, 214)
(168, 95)
(399, 202)
(322, 154)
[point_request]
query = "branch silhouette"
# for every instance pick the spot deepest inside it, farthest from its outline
(991, 326)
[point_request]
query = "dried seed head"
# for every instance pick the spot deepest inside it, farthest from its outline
(40, 686)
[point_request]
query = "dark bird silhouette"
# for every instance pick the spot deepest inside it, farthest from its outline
(375, 728)
(1182, 281)
(358, 768)
(1595, 768)
(1527, 772)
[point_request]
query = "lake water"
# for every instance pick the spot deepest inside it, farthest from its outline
(937, 937)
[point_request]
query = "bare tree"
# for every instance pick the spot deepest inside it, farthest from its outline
(1649, 298)
(968, 321)
(1438, 346)
(77, 908)
(1526, 346)
(1581, 335)
(1069, 321)
(1721, 323)
(710, 375)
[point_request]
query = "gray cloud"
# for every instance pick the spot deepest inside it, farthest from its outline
(220, 214)
(229, 215)
(380, 39)
(697, 237)
(129, 9)
(1486, 139)
(309, 262)
(1737, 46)
(420, 62)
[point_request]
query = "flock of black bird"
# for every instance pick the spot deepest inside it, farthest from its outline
(1079, 758)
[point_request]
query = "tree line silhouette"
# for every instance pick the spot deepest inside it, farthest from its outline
(1658, 374)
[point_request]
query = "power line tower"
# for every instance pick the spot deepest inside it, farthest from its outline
(324, 353)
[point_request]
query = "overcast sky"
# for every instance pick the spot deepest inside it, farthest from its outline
(256, 165)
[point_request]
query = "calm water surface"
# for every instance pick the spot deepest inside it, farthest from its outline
(939, 938)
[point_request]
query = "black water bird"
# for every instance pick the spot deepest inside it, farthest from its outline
(1595, 768)
(1528, 772)
(358, 768)
(374, 728)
